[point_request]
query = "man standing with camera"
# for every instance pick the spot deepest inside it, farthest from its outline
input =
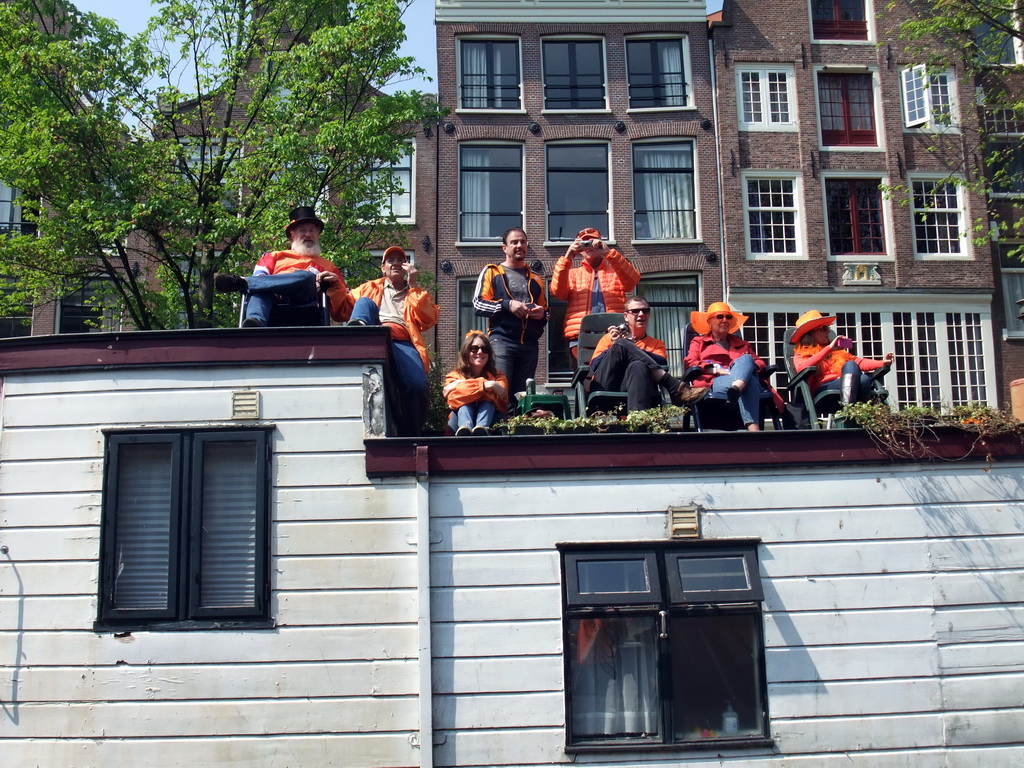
(626, 358)
(511, 297)
(599, 284)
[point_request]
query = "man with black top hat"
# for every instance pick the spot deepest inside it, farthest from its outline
(296, 274)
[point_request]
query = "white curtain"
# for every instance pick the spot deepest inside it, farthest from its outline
(614, 684)
(476, 193)
(671, 62)
(474, 75)
(668, 194)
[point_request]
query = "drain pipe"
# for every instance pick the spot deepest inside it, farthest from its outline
(425, 652)
(718, 169)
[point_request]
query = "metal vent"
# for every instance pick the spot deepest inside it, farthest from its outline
(245, 404)
(683, 523)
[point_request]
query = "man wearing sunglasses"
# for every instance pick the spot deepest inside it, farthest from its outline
(635, 362)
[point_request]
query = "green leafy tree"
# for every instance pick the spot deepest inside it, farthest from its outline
(155, 161)
(984, 41)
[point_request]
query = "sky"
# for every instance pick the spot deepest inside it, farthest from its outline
(419, 30)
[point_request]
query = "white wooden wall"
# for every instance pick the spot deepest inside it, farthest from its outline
(894, 610)
(333, 685)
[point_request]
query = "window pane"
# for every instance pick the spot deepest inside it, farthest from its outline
(715, 673)
(577, 189)
(613, 678)
(229, 524)
(490, 74)
(663, 194)
(703, 574)
(607, 576)
(771, 215)
(656, 76)
(672, 300)
(142, 546)
(490, 191)
(573, 75)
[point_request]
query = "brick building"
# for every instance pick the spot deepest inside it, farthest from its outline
(557, 124)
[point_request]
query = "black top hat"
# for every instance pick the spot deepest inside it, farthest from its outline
(301, 214)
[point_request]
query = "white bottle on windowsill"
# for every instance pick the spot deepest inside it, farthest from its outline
(730, 720)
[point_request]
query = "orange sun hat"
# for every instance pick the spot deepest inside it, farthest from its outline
(699, 320)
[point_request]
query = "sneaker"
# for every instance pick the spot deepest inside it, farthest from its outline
(252, 322)
(356, 322)
(230, 283)
(463, 432)
(481, 431)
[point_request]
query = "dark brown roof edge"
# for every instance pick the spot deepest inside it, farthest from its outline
(211, 346)
(393, 457)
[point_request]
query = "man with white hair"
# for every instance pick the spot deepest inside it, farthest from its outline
(295, 275)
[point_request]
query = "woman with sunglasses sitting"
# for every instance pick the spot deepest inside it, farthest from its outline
(728, 364)
(476, 392)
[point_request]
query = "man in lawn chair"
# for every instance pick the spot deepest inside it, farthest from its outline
(295, 276)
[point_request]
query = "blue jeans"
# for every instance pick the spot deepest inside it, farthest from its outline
(482, 413)
(743, 368)
(299, 287)
(517, 361)
(412, 379)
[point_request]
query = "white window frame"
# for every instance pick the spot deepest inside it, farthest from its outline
(922, 92)
(694, 191)
(764, 97)
(1012, 281)
(684, 41)
(1014, 140)
(388, 205)
(965, 252)
(932, 363)
(458, 72)
(460, 193)
(800, 252)
(1016, 41)
(604, 65)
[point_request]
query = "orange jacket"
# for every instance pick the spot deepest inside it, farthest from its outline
(279, 262)
(615, 274)
(465, 391)
(420, 312)
(830, 363)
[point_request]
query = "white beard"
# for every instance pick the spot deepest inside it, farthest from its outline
(305, 248)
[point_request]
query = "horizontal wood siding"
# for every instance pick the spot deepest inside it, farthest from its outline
(334, 683)
(893, 609)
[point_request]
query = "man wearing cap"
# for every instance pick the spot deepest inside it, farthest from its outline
(599, 284)
(407, 310)
(511, 297)
(295, 274)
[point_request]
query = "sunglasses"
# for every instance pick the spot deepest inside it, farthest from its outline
(475, 348)
(721, 317)
(641, 311)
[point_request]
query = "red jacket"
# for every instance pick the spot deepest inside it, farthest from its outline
(704, 349)
(615, 274)
(420, 312)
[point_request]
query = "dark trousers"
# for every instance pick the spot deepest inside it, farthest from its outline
(625, 367)
(518, 362)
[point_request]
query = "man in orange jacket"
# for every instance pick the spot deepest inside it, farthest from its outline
(407, 310)
(599, 284)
